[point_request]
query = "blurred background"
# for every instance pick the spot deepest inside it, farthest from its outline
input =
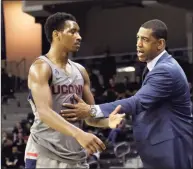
(108, 52)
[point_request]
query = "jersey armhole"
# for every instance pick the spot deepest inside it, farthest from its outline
(78, 67)
(50, 80)
(51, 76)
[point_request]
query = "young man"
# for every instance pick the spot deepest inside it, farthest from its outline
(53, 80)
(162, 122)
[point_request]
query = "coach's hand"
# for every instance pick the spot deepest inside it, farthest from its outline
(90, 142)
(74, 112)
(116, 119)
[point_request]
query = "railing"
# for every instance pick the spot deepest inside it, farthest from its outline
(122, 57)
(18, 70)
(15, 68)
(21, 72)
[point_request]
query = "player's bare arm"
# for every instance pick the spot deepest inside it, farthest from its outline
(113, 120)
(39, 75)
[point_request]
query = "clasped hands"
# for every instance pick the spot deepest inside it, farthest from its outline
(81, 110)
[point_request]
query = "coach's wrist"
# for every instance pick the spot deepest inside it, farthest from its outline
(92, 111)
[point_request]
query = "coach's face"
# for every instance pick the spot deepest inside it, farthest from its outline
(148, 46)
(69, 38)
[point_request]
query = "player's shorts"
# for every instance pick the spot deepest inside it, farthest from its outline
(33, 160)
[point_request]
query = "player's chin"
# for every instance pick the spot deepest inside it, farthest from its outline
(75, 49)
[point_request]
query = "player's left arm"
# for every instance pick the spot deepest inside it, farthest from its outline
(89, 99)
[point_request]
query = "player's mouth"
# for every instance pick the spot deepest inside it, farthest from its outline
(77, 44)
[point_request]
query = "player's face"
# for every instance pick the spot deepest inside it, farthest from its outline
(147, 45)
(70, 38)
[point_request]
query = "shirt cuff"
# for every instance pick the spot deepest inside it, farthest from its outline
(99, 113)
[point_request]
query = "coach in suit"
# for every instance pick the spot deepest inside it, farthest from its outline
(162, 122)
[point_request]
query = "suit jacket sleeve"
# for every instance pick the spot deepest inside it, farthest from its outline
(158, 86)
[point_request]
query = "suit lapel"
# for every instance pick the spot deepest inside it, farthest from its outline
(163, 57)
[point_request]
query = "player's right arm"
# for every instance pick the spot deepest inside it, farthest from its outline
(38, 78)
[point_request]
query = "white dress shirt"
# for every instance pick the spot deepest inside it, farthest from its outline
(150, 66)
(152, 63)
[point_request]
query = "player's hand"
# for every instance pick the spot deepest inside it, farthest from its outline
(90, 142)
(74, 112)
(114, 118)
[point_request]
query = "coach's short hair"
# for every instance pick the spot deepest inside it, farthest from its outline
(159, 28)
(56, 22)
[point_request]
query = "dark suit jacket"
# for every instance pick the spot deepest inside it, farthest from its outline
(162, 122)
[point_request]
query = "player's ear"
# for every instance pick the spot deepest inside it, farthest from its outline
(55, 35)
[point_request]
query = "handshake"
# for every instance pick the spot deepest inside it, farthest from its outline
(80, 111)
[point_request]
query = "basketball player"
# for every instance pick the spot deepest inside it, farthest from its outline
(53, 80)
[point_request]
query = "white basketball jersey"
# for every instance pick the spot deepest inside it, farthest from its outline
(51, 142)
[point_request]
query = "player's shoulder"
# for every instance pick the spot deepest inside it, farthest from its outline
(39, 67)
(78, 65)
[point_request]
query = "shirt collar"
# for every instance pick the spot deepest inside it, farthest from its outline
(152, 63)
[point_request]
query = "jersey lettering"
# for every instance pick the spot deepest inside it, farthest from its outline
(67, 89)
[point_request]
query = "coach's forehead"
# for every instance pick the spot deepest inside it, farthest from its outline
(144, 32)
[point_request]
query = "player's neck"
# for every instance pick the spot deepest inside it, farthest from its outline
(58, 56)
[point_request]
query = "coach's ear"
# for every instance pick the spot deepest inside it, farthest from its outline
(161, 44)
